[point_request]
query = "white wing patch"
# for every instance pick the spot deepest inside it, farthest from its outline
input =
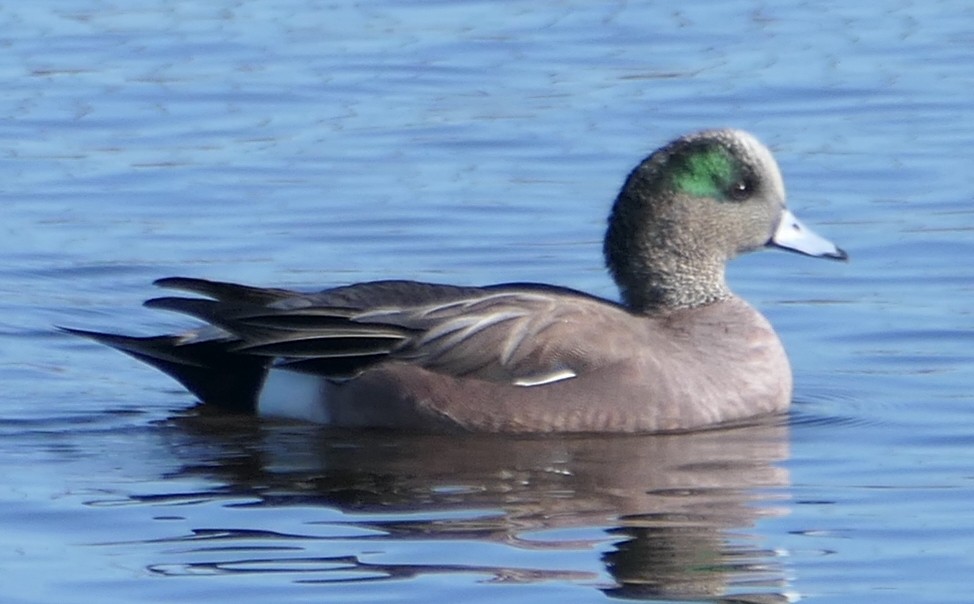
(550, 377)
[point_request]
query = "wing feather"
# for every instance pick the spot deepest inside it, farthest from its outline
(490, 333)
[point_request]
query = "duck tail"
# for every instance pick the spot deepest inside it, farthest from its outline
(207, 368)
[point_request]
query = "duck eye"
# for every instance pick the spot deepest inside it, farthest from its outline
(741, 189)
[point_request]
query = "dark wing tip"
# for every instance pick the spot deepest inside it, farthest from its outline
(224, 291)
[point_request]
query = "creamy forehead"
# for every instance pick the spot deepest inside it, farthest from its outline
(761, 156)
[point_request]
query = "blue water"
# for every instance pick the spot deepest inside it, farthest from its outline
(308, 144)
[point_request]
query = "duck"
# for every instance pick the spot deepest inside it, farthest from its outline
(677, 352)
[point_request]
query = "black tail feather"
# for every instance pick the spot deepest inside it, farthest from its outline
(206, 368)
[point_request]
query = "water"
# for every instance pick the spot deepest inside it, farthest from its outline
(307, 144)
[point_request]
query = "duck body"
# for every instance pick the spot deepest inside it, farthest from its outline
(659, 374)
(679, 352)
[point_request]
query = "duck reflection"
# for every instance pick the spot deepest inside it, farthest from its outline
(671, 513)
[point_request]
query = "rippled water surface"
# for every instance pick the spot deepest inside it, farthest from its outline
(309, 144)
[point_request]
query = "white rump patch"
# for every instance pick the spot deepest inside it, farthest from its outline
(540, 379)
(293, 395)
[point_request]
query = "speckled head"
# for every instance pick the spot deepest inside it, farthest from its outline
(686, 210)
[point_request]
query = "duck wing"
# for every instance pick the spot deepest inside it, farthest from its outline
(491, 333)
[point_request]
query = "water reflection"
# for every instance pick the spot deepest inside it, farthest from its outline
(670, 514)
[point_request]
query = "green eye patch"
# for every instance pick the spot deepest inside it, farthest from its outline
(705, 171)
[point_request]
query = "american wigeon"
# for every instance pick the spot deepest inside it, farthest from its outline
(680, 351)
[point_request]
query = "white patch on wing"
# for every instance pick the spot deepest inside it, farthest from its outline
(293, 395)
(539, 379)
